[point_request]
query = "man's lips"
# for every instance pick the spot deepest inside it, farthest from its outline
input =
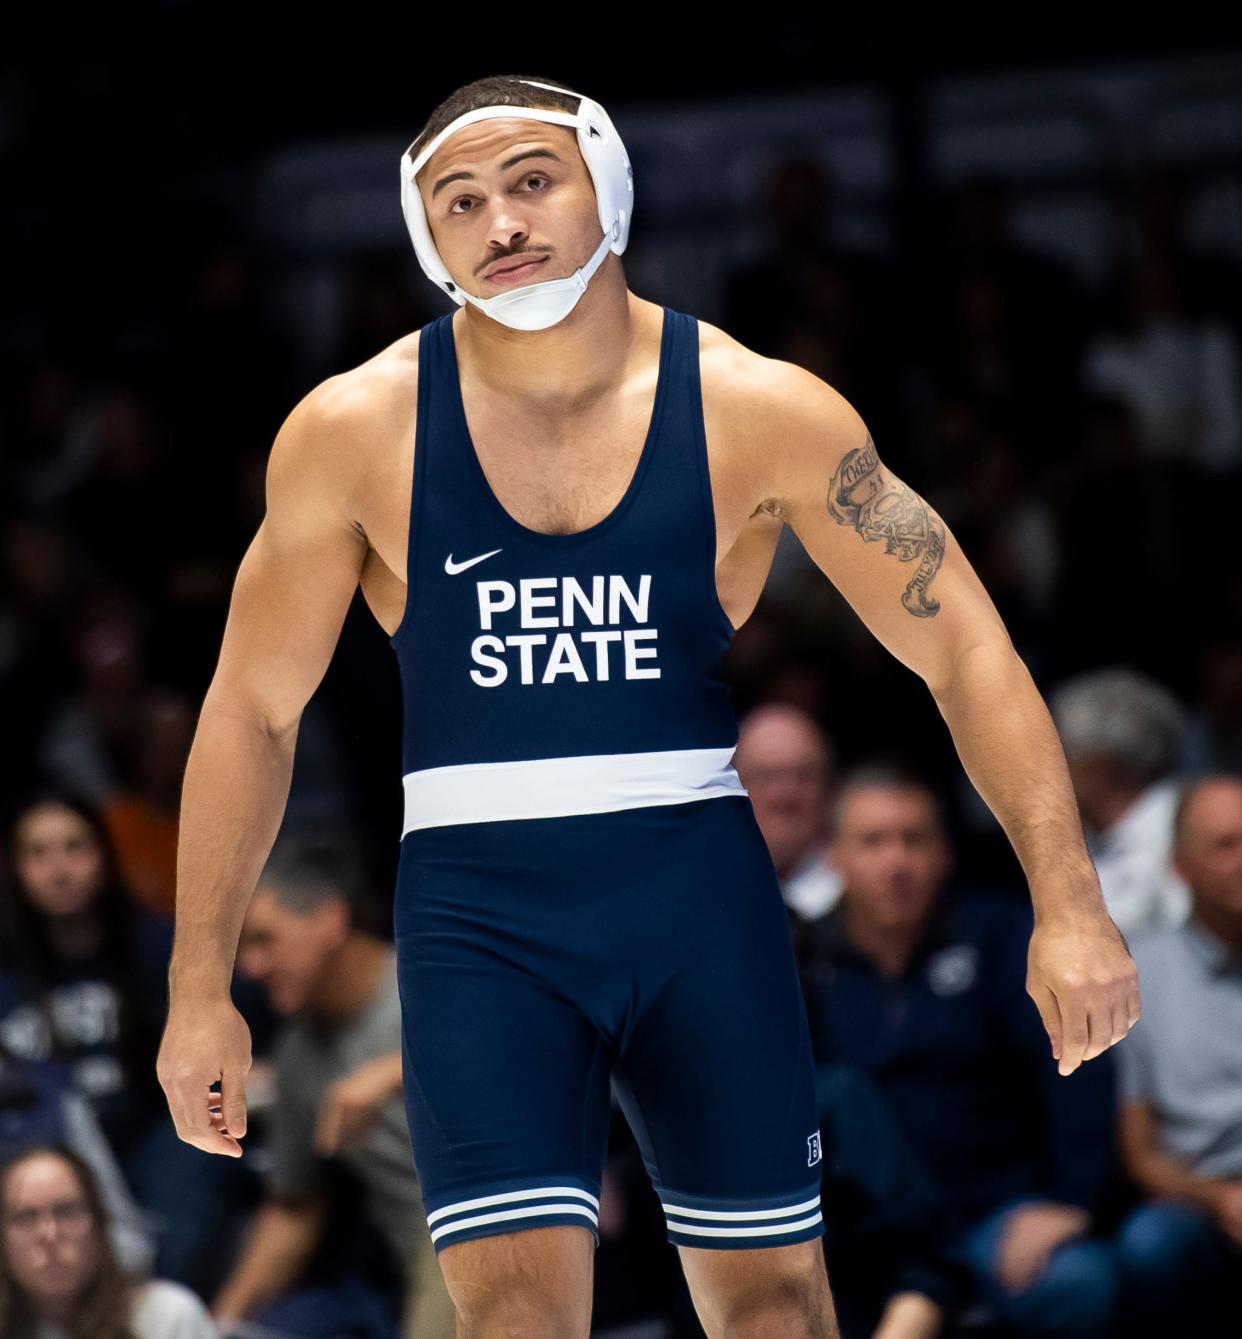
(513, 265)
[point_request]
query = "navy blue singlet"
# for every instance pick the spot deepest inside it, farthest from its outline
(585, 904)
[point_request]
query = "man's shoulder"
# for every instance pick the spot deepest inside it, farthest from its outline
(338, 440)
(752, 382)
(760, 403)
(365, 396)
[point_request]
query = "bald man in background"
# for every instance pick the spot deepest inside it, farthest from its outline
(786, 763)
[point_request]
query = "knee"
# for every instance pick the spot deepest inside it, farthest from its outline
(517, 1308)
(1157, 1235)
(1077, 1293)
(793, 1307)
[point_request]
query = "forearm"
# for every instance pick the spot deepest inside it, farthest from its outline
(1159, 1174)
(234, 793)
(280, 1242)
(1011, 751)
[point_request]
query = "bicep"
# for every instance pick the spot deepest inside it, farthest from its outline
(295, 583)
(883, 546)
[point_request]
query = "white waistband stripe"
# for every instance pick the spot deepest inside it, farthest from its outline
(593, 783)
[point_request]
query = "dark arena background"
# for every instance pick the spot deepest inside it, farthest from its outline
(1017, 251)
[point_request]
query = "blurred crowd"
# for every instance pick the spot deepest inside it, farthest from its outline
(1084, 443)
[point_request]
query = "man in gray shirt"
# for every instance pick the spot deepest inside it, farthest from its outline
(1180, 1077)
(338, 1081)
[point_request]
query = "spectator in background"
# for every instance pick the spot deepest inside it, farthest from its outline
(1122, 735)
(1181, 1088)
(59, 1276)
(785, 762)
(38, 1106)
(1178, 370)
(83, 983)
(88, 737)
(922, 988)
(144, 818)
(339, 1098)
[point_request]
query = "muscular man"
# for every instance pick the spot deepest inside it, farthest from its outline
(560, 501)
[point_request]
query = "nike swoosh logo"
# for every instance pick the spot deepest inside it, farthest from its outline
(453, 568)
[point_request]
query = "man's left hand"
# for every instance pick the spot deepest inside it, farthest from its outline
(1083, 981)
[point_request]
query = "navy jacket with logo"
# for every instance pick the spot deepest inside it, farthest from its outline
(959, 1048)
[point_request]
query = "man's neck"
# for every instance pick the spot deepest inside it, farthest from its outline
(77, 935)
(1226, 928)
(890, 949)
(349, 979)
(563, 371)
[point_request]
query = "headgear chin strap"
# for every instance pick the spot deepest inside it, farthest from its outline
(534, 306)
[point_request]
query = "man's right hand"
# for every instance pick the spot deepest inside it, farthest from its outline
(206, 1043)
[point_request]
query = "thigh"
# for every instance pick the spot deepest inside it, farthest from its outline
(505, 1081)
(714, 1072)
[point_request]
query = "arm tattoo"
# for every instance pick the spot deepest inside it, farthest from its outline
(863, 494)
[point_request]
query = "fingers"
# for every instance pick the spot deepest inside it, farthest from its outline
(1096, 1017)
(190, 1103)
(1049, 1011)
(1075, 1030)
(233, 1101)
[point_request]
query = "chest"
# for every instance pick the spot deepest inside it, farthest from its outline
(1197, 1065)
(566, 479)
(563, 477)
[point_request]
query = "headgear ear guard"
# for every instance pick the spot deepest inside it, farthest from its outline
(534, 306)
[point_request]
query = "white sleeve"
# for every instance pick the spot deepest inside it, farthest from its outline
(167, 1310)
(129, 1226)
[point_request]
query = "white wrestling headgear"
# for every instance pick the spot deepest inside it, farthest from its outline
(535, 306)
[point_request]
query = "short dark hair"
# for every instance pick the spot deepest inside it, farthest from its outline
(883, 771)
(496, 90)
(306, 870)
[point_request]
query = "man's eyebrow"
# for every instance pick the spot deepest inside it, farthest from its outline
(504, 167)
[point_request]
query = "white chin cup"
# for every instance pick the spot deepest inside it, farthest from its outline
(540, 305)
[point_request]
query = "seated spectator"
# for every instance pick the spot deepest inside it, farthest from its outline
(891, 1277)
(83, 982)
(59, 1276)
(785, 762)
(1180, 1076)
(922, 989)
(144, 817)
(38, 1107)
(339, 1100)
(1122, 735)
